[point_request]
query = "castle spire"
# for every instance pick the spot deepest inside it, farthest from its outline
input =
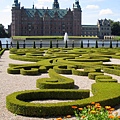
(55, 4)
(33, 6)
(77, 5)
(16, 2)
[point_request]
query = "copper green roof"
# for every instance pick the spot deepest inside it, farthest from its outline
(51, 12)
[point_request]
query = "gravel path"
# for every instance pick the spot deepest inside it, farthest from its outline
(12, 83)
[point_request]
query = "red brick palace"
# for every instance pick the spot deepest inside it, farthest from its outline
(46, 22)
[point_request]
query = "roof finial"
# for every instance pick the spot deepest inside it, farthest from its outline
(16, 2)
(55, 4)
(33, 5)
(77, 5)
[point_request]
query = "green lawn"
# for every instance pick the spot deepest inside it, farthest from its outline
(52, 37)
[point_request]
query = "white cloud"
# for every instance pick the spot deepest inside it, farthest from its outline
(41, 3)
(92, 7)
(6, 9)
(5, 16)
(95, 0)
(89, 1)
(48, 3)
(118, 19)
(6, 19)
(106, 12)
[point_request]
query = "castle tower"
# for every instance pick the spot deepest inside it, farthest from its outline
(16, 19)
(77, 18)
(55, 4)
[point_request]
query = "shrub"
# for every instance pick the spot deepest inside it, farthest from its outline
(71, 66)
(94, 74)
(97, 69)
(90, 60)
(96, 44)
(18, 102)
(66, 45)
(62, 70)
(24, 58)
(81, 45)
(32, 71)
(102, 77)
(13, 50)
(17, 44)
(79, 73)
(42, 69)
(2, 51)
(110, 43)
(20, 53)
(107, 92)
(51, 44)
(34, 45)
(111, 71)
(0, 45)
(51, 83)
(55, 81)
(106, 80)
(89, 69)
(13, 70)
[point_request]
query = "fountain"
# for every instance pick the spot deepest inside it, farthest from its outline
(66, 37)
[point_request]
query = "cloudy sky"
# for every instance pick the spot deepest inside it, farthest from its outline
(92, 10)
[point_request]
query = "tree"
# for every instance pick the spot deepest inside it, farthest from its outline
(51, 44)
(3, 33)
(110, 43)
(34, 45)
(96, 44)
(115, 27)
(17, 44)
(66, 45)
(0, 45)
(81, 45)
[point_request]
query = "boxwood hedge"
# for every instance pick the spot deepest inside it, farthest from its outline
(55, 81)
(62, 69)
(13, 70)
(90, 60)
(59, 87)
(79, 72)
(106, 80)
(112, 71)
(92, 75)
(32, 71)
(102, 77)
(42, 69)
(2, 51)
(19, 102)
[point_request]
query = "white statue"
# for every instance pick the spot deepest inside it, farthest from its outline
(66, 37)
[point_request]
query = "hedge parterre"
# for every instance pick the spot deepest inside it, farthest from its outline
(57, 61)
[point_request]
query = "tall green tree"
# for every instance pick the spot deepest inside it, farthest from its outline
(3, 33)
(115, 27)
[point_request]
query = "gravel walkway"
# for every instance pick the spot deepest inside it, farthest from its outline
(12, 83)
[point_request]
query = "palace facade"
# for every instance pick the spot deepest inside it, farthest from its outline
(54, 22)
